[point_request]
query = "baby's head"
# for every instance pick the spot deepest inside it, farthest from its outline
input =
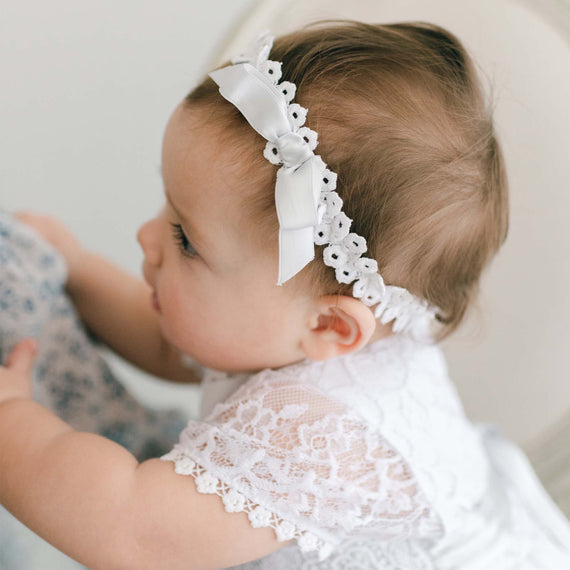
(402, 120)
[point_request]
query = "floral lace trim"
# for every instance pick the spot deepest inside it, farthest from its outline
(344, 251)
(234, 501)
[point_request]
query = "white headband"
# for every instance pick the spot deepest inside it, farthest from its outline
(308, 208)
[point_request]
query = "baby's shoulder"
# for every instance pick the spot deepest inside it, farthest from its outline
(286, 440)
(391, 374)
(381, 427)
(396, 389)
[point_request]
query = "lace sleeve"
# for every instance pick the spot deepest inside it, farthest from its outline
(298, 461)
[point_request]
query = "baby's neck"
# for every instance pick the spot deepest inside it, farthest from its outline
(381, 332)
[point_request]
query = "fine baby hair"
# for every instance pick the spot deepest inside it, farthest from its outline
(405, 132)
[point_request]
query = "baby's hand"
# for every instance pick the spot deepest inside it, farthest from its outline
(53, 231)
(15, 374)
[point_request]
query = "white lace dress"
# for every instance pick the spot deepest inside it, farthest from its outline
(369, 461)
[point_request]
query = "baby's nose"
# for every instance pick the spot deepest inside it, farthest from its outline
(148, 238)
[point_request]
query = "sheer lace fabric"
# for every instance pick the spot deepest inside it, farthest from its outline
(369, 461)
(303, 463)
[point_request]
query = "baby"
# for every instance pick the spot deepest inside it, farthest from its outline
(331, 435)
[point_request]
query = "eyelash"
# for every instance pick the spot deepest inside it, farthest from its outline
(184, 245)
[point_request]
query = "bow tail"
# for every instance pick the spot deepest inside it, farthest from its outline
(296, 249)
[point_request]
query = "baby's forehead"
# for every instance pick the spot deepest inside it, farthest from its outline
(218, 164)
(218, 140)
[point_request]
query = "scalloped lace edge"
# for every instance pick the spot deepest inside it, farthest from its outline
(235, 501)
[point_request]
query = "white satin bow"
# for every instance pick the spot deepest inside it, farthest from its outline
(298, 184)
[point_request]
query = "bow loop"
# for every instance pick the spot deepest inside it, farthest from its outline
(298, 184)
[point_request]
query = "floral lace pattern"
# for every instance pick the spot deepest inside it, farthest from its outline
(299, 462)
(234, 502)
(380, 422)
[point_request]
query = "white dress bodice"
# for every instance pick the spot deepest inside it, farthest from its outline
(370, 462)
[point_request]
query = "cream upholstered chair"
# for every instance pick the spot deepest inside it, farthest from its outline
(510, 359)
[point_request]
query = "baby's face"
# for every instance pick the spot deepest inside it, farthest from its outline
(219, 302)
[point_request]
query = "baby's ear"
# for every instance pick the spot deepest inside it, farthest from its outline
(339, 325)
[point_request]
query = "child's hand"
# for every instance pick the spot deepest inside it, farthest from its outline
(54, 232)
(15, 374)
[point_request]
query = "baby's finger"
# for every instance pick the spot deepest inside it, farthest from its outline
(22, 357)
(24, 215)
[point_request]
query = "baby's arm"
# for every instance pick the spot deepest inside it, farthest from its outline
(116, 307)
(114, 304)
(91, 499)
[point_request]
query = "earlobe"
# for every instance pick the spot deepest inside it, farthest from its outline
(340, 325)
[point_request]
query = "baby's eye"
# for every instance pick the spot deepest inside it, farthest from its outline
(183, 244)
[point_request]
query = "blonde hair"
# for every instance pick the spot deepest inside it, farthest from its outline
(402, 120)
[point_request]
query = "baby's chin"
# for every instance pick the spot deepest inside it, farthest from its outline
(224, 359)
(244, 367)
